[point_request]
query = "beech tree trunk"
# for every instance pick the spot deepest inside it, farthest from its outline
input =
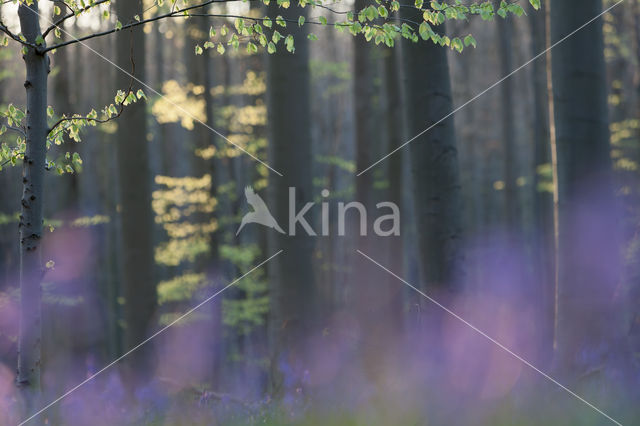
(291, 273)
(505, 35)
(434, 161)
(31, 271)
(588, 252)
(134, 182)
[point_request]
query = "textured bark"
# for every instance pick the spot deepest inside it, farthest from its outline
(588, 251)
(31, 271)
(135, 199)
(291, 273)
(434, 162)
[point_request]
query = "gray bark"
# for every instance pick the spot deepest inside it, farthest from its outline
(364, 111)
(31, 271)
(505, 35)
(434, 162)
(543, 227)
(587, 272)
(134, 183)
(291, 273)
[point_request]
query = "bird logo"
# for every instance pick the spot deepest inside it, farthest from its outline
(260, 213)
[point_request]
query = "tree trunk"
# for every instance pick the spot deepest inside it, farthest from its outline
(588, 246)
(135, 200)
(505, 35)
(364, 111)
(291, 274)
(31, 271)
(434, 162)
(543, 228)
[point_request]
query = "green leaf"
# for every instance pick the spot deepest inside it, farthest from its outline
(49, 112)
(301, 21)
(535, 4)
(288, 42)
(198, 49)
(118, 25)
(252, 48)
(312, 36)
(470, 41)
(424, 32)
(271, 47)
(267, 22)
(221, 48)
(322, 20)
(56, 10)
(456, 44)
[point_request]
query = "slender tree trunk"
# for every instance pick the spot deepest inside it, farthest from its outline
(543, 230)
(394, 138)
(505, 49)
(588, 251)
(135, 200)
(291, 273)
(31, 271)
(434, 162)
(363, 112)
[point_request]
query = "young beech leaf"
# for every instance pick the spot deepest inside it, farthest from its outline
(470, 41)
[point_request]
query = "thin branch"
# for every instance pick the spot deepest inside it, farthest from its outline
(17, 130)
(8, 32)
(72, 14)
(121, 104)
(9, 160)
(131, 25)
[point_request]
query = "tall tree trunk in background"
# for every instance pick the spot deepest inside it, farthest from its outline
(507, 119)
(588, 252)
(135, 198)
(434, 162)
(31, 271)
(394, 113)
(67, 198)
(543, 228)
(291, 273)
(363, 113)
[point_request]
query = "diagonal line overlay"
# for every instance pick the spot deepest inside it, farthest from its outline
(183, 110)
(162, 330)
(493, 86)
(492, 340)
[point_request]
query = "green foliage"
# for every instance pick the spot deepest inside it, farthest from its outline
(249, 308)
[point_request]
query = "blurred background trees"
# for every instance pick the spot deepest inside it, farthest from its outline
(146, 227)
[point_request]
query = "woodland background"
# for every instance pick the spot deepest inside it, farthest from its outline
(145, 228)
